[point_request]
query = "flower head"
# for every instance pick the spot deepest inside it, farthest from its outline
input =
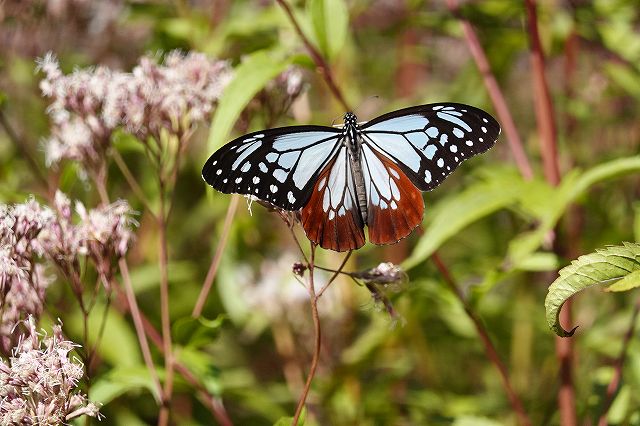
(38, 383)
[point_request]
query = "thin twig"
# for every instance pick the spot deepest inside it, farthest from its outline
(318, 337)
(491, 84)
(490, 349)
(147, 329)
(131, 180)
(317, 58)
(612, 388)
(215, 262)
(21, 146)
(336, 273)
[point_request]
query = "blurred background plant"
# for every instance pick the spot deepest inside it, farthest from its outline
(182, 303)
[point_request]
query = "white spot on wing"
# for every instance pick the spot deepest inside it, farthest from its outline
(245, 167)
(256, 180)
(427, 176)
(263, 167)
(290, 197)
(458, 133)
(273, 188)
(453, 148)
(440, 162)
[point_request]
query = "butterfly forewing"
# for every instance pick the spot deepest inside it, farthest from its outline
(428, 142)
(279, 166)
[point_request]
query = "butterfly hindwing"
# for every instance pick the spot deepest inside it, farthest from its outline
(332, 217)
(394, 204)
(428, 142)
(279, 166)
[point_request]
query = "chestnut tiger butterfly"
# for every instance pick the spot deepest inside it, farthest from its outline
(343, 178)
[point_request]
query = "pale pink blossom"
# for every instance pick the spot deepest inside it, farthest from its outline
(38, 382)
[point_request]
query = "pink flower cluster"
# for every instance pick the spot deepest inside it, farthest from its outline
(89, 104)
(38, 383)
(29, 232)
(103, 234)
(22, 279)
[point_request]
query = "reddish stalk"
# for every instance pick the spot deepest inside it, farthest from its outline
(318, 337)
(214, 405)
(133, 305)
(547, 132)
(215, 262)
(317, 58)
(490, 349)
(314, 297)
(24, 151)
(612, 388)
(497, 98)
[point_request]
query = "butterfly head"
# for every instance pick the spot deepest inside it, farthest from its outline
(350, 119)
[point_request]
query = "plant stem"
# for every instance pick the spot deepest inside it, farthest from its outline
(549, 150)
(317, 58)
(215, 262)
(490, 349)
(131, 180)
(22, 147)
(318, 337)
(133, 304)
(163, 418)
(612, 388)
(491, 84)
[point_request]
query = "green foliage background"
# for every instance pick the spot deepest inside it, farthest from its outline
(489, 225)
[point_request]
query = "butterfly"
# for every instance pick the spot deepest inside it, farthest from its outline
(343, 178)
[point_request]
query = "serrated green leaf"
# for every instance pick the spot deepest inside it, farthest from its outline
(462, 209)
(629, 282)
(330, 22)
(604, 267)
(249, 78)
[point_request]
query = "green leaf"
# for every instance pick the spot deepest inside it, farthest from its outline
(118, 343)
(330, 21)
(121, 380)
(629, 282)
(603, 267)
(249, 78)
(197, 332)
(147, 277)
(548, 207)
(460, 210)
(288, 421)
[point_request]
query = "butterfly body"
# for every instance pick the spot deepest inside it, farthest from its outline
(361, 174)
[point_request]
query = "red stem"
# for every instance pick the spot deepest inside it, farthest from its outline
(215, 262)
(491, 84)
(318, 338)
(545, 119)
(317, 58)
(490, 349)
